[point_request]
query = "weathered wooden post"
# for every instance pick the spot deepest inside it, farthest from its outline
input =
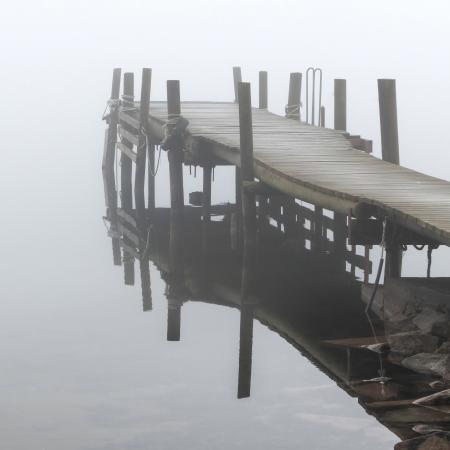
(387, 99)
(126, 165)
(295, 90)
(340, 123)
(322, 116)
(237, 78)
(249, 231)
(292, 112)
(176, 252)
(340, 104)
(109, 155)
(263, 90)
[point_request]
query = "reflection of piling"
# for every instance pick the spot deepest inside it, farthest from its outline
(390, 152)
(108, 164)
(249, 232)
(173, 319)
(340, 123)
(126, 178)
(144, 266)
(139, 180)
(292, 112)
(206, 207)
(245, 351)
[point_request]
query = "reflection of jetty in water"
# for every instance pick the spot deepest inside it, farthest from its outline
(295, 274)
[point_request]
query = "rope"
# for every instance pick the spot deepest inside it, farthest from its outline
(111, 105)
(380, 268)
(292, 110)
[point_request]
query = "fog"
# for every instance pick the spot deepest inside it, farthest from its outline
(57, 60)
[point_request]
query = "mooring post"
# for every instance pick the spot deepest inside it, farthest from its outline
(109, 156)
(126, 179)
(295, 90)
(263, 90)
(206, 207)
(176, 253)
(322, 116)
(237, 78)
(340, 123)
(340, 104)
(387, 99)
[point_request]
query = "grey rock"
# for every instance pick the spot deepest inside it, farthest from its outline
(412, 342)
(444, 348)
(430, 320)
(429, 363)
(437, 441)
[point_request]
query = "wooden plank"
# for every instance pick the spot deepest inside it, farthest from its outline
(355, 342)
(127, 151)
(131, 137)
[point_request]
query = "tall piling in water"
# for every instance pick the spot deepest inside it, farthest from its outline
(176, 253)
(387, 99)
(249, 231)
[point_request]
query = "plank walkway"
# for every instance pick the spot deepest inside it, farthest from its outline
(318, 165)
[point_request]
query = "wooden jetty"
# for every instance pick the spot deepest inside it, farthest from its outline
(290, 159)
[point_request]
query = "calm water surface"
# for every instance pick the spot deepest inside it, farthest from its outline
(84, 368)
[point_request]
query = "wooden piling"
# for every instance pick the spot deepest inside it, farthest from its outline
(340, 104)
(388, 120)
(340, 123)
(109, 156)
(175, 156)
(295, 88)
(322, 116)
(249, 231)
(237, 78)
(387, 100)
(263, 90)
(292, 112)
(126, 179)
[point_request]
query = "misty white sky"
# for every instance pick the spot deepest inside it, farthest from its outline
(60, 54)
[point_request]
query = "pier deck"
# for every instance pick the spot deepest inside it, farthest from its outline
(318, 165)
